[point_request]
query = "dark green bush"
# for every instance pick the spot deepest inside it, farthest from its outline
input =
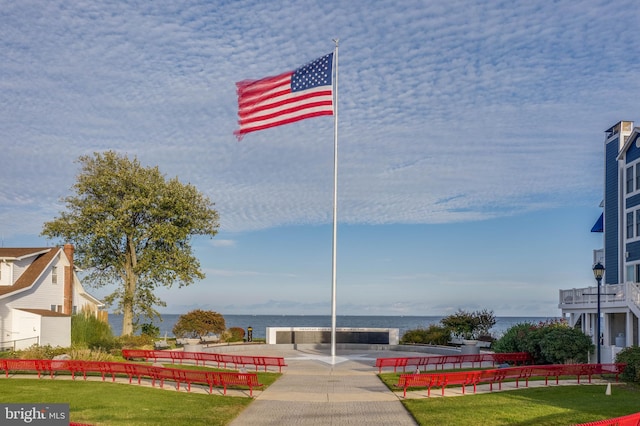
(551, 342)
(432, 335)
(513, 340)
(150, 330)
(630, 356)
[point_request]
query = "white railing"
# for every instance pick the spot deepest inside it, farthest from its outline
(611, 294)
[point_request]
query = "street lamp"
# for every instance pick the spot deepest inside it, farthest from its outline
(598, 272)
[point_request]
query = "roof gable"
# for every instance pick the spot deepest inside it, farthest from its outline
(33, 271)
(629, 141)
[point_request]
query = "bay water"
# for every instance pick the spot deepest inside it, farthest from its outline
(259, 323)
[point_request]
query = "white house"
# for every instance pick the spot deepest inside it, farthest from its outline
(39, 291)
(619, 296)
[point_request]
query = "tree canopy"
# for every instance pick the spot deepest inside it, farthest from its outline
(133, 227)
(199, 323)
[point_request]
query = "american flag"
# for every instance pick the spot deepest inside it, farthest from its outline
(286, 98)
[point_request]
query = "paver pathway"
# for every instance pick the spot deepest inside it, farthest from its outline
(317, 389)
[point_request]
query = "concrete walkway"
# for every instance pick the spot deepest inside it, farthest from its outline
(316, 389)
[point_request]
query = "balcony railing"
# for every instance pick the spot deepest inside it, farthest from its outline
(610, 295)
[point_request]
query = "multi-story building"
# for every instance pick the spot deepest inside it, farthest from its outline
(619, 300)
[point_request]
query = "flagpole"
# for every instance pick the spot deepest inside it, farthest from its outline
(335, 204)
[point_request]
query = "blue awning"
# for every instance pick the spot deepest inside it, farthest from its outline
(598, 227)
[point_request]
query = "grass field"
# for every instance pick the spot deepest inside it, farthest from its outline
(106, 403)
(554, 405)
(548, 405)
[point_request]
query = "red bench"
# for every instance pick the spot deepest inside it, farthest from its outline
(76, 367)
(454, 360)
(204, 357)
(630, 420)
(441, 380)
(493, 376)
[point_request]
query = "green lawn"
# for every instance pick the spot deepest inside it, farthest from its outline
(550, 405)
(553, 405)
(106, 403)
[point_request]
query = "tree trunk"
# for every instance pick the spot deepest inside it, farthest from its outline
(129, 288)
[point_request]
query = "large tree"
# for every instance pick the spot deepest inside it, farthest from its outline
(133, 227)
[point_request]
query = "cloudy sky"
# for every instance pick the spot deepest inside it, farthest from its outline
(470, 141)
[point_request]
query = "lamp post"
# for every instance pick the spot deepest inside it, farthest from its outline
(598, 272)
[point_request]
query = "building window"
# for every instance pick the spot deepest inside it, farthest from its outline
(53, 308)
(630, 225)
(638, 221)
(637, 177)
(54, 275)
(629, 179)
(636, 278)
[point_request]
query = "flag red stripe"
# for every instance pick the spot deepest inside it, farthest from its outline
(285, 111)
(293, 98)
(247, 87)
(246, 130)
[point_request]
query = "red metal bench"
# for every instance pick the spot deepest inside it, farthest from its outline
(441, 380)
(630, 420)
(454, 360)
(204, 357)
(500, 375)
(76, 367)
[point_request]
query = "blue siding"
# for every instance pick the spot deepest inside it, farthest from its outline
(611, 212)
(633, 153)
(632, 201)
(634, 251)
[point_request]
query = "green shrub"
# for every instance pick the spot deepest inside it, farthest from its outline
(550, 342)
(89, 331)
(150, 330)
(514, 339)
(432, 335)
(630, 356)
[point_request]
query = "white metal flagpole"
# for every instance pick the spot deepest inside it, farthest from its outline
(335, 203)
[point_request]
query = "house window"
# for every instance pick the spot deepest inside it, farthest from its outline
(53, 308)
(629, 179)
(637, 177)
(54, 275)
(638, 221)
(630, 225)
(636, 278)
